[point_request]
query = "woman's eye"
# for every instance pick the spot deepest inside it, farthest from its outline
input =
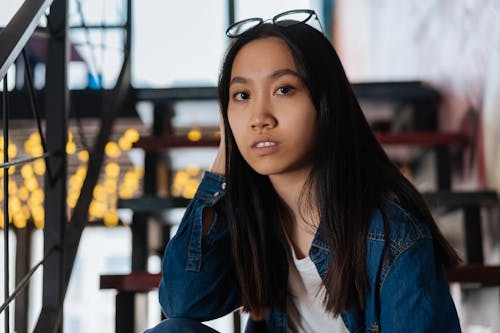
(284, 90)
(240, 96)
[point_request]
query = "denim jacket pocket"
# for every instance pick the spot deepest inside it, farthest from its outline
(194, 246)
(210, 192)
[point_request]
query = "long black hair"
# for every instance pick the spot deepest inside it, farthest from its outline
(350, 177)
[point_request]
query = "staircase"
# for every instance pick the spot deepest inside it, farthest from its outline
(410, 122)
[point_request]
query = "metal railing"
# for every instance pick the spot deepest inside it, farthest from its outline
(13, 39)
(61, 239)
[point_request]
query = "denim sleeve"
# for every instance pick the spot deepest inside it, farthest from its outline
(198, 279)
(415, 294)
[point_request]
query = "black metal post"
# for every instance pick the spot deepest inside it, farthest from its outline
(128, 41)
(473, 236)
(443, 167)
(6, 197)
(23, 261)
(57, 106)
(230, 12)
(139, 229)
(125, 312)
(328, 6)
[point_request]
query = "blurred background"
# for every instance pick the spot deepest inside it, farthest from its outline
(137, 119)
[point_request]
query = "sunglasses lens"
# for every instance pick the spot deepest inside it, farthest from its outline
(288, 18)
(240, 27)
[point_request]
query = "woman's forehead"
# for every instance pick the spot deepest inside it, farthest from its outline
(262, 57)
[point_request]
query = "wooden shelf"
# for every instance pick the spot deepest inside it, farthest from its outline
(143, 281)
(451, 199)
(487, 275)
(133, 282)
(158, 144)
(152, 204)
(419, 139)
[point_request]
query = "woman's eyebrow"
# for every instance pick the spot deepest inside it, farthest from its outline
(237, 79)
(282, 72)
(274, 75)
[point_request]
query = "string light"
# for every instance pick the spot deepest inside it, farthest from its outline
(83, 156)
(194, 135)
(112, 150)
(26, 200)
(132, 135)
(39, 167)
(111, 219)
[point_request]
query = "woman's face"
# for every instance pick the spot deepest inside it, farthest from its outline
(270, 112)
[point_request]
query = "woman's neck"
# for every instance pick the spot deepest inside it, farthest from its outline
(289, 186)
(304, 217)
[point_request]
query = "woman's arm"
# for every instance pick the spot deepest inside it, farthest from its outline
(415, 294)
(198, 279)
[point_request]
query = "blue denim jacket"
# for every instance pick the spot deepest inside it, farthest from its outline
(408, 293)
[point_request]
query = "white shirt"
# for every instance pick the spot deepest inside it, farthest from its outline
(305, 303)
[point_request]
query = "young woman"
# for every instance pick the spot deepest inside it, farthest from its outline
(303, 221)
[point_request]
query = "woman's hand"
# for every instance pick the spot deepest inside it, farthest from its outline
(219, 164)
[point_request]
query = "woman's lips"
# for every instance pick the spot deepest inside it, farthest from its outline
(265, 147)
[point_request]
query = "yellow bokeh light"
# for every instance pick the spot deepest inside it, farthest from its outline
(75, 182)
(97, 208)
(194, 135)
(190, 189)
(19, 221)
(81, 172)
(39, 223)
(193, 171)
(37, 150)
(112, 170)
(23, 193)
(110, 219)
(110, 186)
(126, 193)
(39, 167)
(112, 150)
(38, 214)
(100, 193)
(12, 170)
(14, 204)
(27, 171)
(12, 187)
(12, 149)
(35, 137)
(188, 192)
(31, 184)
(131, 134)
(139, 172)
(37, 211)
(181, 178)
(70, 136)
(36, 197)
(70, 148)
(83, 156)
(124, 144)
(72, 199)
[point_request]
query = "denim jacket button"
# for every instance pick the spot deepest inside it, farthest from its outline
(223, 186)
(216, 194)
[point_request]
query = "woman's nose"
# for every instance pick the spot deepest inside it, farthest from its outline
(262, 116)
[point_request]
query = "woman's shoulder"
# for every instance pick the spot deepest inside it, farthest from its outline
(403, 228)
